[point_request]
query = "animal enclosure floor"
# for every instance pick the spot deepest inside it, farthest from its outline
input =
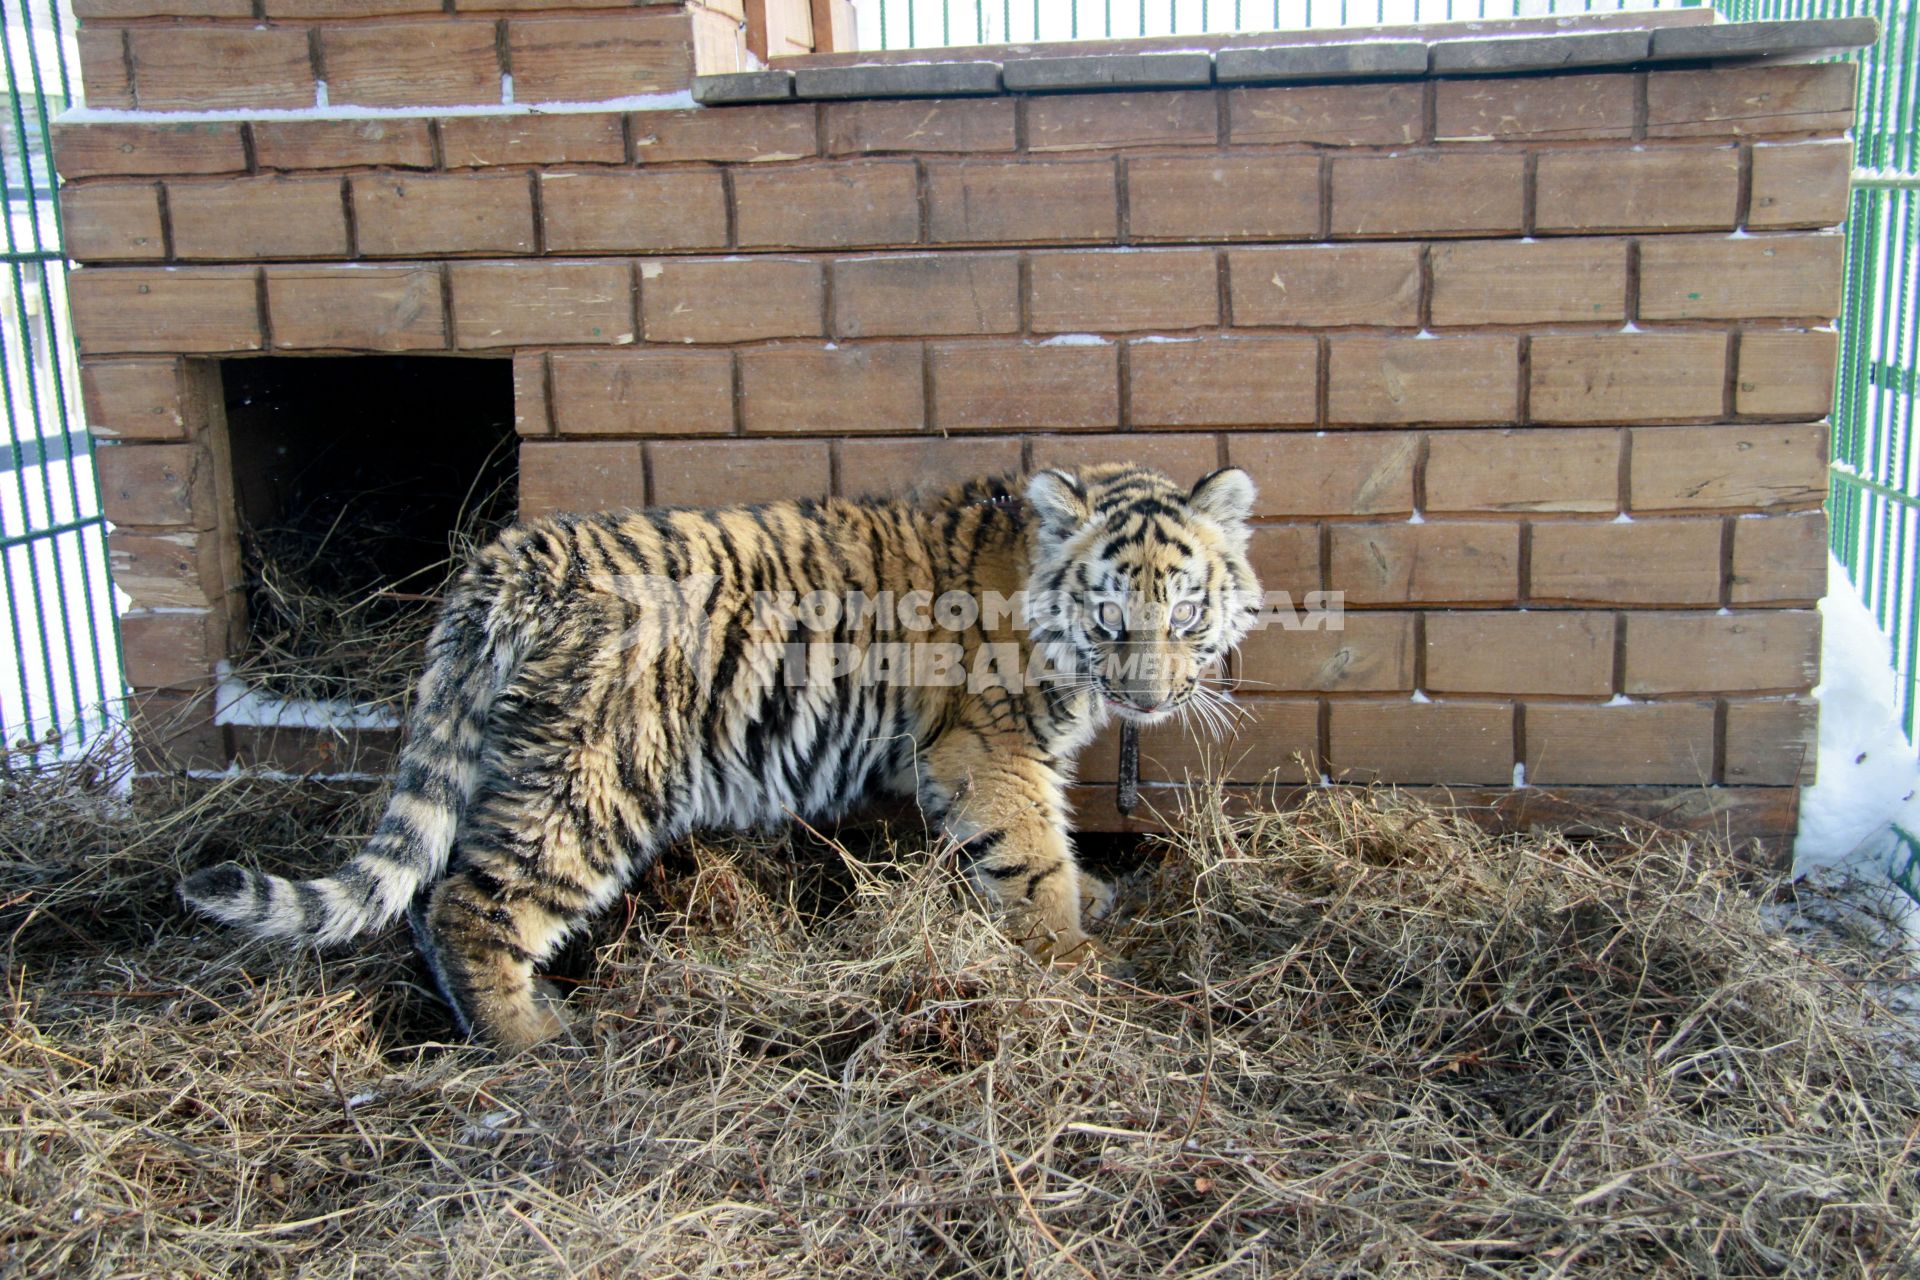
(1363, 1038)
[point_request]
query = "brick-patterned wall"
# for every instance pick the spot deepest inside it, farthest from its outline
(1532, 369)
(205, 55)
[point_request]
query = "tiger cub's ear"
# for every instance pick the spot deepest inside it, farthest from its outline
(1224, 496)
(1059, 500)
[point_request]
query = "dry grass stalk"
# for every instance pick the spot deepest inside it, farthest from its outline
(1365, 1039)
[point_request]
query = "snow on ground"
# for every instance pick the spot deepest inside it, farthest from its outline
(1859, 819)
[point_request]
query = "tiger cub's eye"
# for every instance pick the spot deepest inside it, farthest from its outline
(1184, 615)
(1110, 616)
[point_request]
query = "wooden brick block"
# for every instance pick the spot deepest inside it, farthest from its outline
(112, 221)
(1662, 189)
(356, 308)
(532, 407)
(1105, 121)
(174, 732)
(134, 400)
(862, 202)
(92, 150)
(1222, 382)
(898, 466)
(517, 304)
(90, 11)
(411, 64)
(1800, 184)
(1455, 562)
(819, 391)
(738, 135)
(927, 293)
(1451, 193)
(704, 472)
(642, 393)
(407, 215)
(1371, 652)
(105, 69)
(197, 68)
(1326, 285)
(343, 144)
(1377, 381)
(1004, 386)
(641, 210)
(1643, 562)
(582, 475)
(1338, 115)
(475, 142)
(1529, 282)
(1780, 559)
(1631, 745)
(174, 570)
(129, 309)
(1534, 108)
(1728, 467)
(1744, 102)
(1421, 742)
(920, 125)
(175, 649)
(1772, 742)
(1123, 291)
(733, 299)
(1743, 651)
(1276, 741)
(1230, 197)
(265, 217)
(1628, 377)
(1553, 651)
(1529, 470)
(1342, 473)
(1713, 278)
(1021, 202)
(572, 59)
(157, 486)
(1286, 557)
(1184, 457)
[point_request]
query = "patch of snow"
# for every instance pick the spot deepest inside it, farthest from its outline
(1520, 776)
(1420, 695)
(236, 702)
(1866, 791)
(506, 86)
(1623, 518)
(362, 1099)
(1631, 327)
(1618, 700)
(1162, 338)
(1416, 517)
(1077, 340)
(320, 93)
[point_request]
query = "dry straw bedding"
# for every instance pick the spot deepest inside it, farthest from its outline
(1363, 1039)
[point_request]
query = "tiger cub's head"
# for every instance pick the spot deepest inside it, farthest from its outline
(1141, 585)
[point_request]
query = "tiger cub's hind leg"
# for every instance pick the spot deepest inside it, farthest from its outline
(525, 877)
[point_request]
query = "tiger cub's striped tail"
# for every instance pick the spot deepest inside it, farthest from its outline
(468, 663)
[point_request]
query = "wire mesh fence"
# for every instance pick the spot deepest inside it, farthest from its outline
(60, 665)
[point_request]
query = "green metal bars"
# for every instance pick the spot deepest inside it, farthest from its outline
(909, 24)
(61, 672)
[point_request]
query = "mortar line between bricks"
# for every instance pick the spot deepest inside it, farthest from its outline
(730, 209)
(835, 485)
(126, 61)
(1523, 392)
(1618, 677)
(1523, 565)
(446, 305)
(1322, 377)
(1123, 205)
(1529, 191)
(166, 221)
(316, 55)
(249, 152)
(829, 283)
(1640, 108)
(636, 301)
(1729, 388)
(350, 217)
(629, 149)
(546, 383)
(734, 377)
(540, 221)
(436, 146)
(1323, 734)
(1429, 111)
(1420, 649)
(1325, 229)
(1719, 741)
(266, 312)
(1519, 731)
(926, 387)
(923, 202)
(1743, 186)
(1123, 396)
(1726, 561)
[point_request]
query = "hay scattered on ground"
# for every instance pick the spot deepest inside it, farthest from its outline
(1365, 1039)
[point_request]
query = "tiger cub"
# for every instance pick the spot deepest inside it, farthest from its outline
(599, 685)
